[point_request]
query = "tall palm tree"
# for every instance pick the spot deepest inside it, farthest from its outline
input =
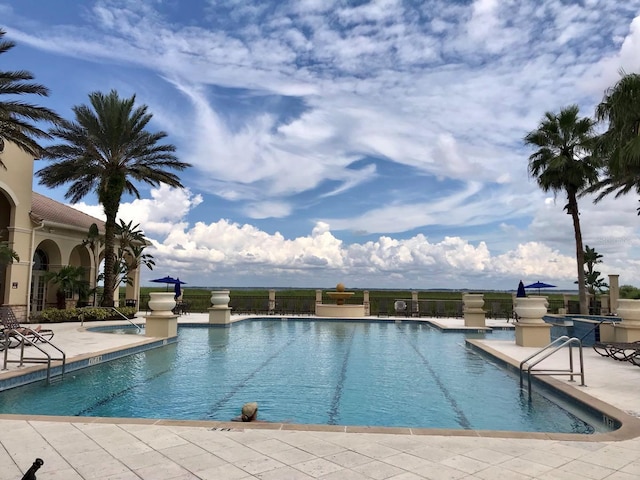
(619, 145)
(104, 150)
(564, 163)
(16, 116)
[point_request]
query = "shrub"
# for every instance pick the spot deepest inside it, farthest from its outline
(87, 314)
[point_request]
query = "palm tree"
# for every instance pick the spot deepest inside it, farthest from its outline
(70, 280)
(7, 254)
(563, 162)
(104, 150)
(619, 146)
(593, 281)
(16, 116)
(131, 251)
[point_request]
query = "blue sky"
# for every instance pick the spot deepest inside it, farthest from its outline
(374, 143)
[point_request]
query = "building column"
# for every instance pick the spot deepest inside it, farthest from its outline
(365, 301)
(614, 293)
(272, 301)
(132, 292)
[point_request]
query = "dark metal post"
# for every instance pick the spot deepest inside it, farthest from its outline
(31, 473)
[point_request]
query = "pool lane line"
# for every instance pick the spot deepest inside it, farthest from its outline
(114, 395)
(109, 398)
(337, 395)
(230, 394)
(462, 419)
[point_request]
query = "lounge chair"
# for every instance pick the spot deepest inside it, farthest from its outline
(622, 351)
(11, 326)
(7, 341)
(383, 308)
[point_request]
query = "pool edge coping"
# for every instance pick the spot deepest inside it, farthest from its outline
(629, 425)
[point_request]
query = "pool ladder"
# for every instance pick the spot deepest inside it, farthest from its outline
(546, 352)
(30, 342)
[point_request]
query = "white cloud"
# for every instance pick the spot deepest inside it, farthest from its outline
(442, 90)
(156, 215)
(228, 253)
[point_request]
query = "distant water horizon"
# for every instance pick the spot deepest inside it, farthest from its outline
(547, 291)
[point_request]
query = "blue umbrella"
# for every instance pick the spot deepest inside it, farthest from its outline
(177, 289)
(521, 292)
(168, 280)
(539, 285)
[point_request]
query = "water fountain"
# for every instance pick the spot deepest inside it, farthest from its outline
(340, 309)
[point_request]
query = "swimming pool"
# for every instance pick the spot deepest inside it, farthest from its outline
(312, 372)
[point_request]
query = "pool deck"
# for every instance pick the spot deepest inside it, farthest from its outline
(75, 448)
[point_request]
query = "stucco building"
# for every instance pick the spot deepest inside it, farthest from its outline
(46, 235)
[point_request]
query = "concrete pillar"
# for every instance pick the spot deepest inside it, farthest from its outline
(132, 292)
(116, 296)
(531, 329)
(628, 330)
(614, 293)
(161, 326)
(162, 322)
(220, 311)
(272, 301)
(415, 312)
(367, 306)
(219, 315)
(604, 305)
(472, 310)
(318, 296)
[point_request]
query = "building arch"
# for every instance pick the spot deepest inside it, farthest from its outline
(7, 213)
(46, 257)
(38, 283)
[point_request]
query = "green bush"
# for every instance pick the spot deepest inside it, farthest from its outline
(87, 314)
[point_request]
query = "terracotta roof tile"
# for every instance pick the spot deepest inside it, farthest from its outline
(50, 210)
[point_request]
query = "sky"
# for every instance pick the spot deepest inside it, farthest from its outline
(374, 143)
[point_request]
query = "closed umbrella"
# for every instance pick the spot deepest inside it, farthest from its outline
(521, 293)
(177, 289)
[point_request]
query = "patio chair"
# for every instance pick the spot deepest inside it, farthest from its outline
(11, 325)
(7, 341)
(383, 308)
(621, 351)
(400, 306)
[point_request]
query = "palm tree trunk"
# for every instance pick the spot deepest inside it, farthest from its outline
(582, 289)
(110, 193)
(109, 259)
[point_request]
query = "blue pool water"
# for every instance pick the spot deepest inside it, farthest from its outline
(313, 372)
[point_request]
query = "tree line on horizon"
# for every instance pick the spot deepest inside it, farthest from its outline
(107, 147)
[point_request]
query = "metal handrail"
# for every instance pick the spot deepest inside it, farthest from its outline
(114, 309)
(24, 340)
(597, 325)
(554, 346)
